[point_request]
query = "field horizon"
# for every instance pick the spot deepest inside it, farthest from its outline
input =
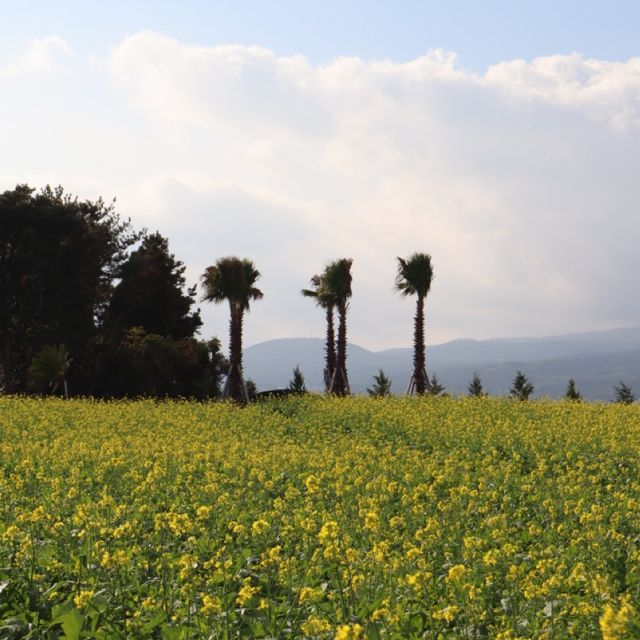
(596, 360)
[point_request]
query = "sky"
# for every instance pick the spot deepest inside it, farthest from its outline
(502, 138)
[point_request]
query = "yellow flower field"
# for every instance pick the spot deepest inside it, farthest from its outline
(320, 518)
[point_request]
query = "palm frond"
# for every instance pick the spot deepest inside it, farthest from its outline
(337, 280)
(414, 275)
(231, 279)
(323, 296)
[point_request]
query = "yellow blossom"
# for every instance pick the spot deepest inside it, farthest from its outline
(246, 592)
(349, 632)
(311, 483)
(456, 572)
(82, 599)
(259, 527)
(314, 626)
(448, 614)
(203, 512)
(616, 625)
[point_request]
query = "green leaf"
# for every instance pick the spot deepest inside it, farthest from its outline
(71, 621)
(100, 602)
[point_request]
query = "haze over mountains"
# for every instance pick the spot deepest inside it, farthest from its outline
(596, 360)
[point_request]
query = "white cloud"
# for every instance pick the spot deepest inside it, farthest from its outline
(605, 91)
(42, 55)
(520, 182)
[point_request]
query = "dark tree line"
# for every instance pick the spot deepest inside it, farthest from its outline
(90, 305)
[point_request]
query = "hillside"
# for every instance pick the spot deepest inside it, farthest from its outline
(596, 360)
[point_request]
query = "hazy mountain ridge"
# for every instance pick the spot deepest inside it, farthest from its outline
(597, 361)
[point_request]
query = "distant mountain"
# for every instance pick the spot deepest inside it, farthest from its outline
(597, 361)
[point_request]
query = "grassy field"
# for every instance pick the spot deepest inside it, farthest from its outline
(325, 518)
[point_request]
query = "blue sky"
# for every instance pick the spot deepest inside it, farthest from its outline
(481, 32)
(503, 138)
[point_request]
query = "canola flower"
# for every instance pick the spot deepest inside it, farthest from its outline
(320, 518)
(620, 624)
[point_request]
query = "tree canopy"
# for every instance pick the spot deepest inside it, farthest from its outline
(91, 306)
(58, 260)
(72, 283)
(151, 293)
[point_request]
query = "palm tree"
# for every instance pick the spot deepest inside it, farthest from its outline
(49, 369)
(326, 301)
(233, 279)
(414, 278)
(337, 280)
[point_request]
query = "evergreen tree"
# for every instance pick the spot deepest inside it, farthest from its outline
(151, 293)
(437, 389)
(381, 386)
(151, 365)
(475, 387)
(521, 388)
(58, 259)
(624, 394)
(297, 383)
(572, 393)
(252, 390)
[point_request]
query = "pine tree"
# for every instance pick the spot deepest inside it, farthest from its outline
(437, 389)
(624, 394)
(252, 389)
(572, 393)
(381, 386)
(151, 294)
(521, 388)
(297, 383)
(475, 387)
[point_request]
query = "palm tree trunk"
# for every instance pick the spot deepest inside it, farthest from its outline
(330, 349)
(235, 384)
(341, 384)
(419, 373)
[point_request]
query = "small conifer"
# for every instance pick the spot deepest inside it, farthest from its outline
(475, 387)
(381, 386)
(437, 389)
(624, 394)
(297, 383)
(521, 388)
(572, 393)
(252, 389)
